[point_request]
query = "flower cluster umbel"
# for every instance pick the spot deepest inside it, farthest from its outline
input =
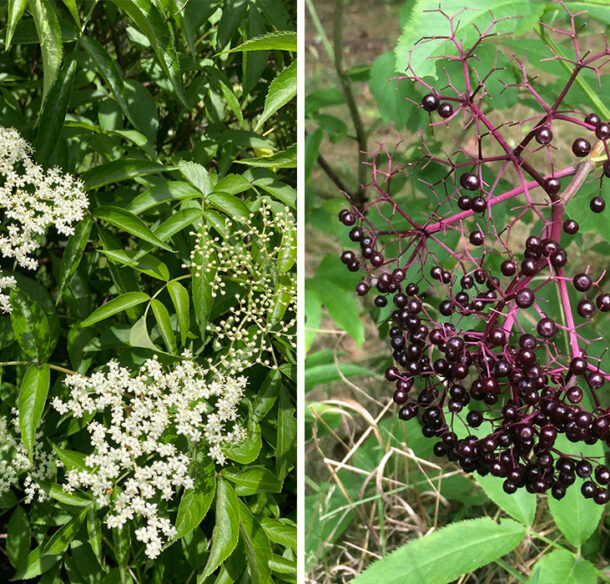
(490, 317)
(135, 465)
(253, 254)
(31, 200)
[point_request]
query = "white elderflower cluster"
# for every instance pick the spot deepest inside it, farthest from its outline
(14, 461)
(32, 199)
(135, 464)
(6, 283)
(249, 254)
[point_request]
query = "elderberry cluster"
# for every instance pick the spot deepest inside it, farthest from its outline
(495, 366)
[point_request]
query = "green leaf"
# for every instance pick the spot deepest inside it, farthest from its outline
(197, 175)
(425, 20)
(46, 555)
(114, 306)
(31, 326)
(226, 528)
(563, 567)
(282, 532)
(164, 324)
(285, 456)
(141, 261)
(15, 12)
(180, 299)
(49, 34)
(18, 537)
(203, 271)
(32, 399)
(196, 502)
(139, 337)
(54, 113)
(273, 41)
(119, 170)
(576, 517)
(70, 458)
(56, 492)
(73, 254)
(258, 548)
(521, 505)
(284, 159)
(177, 222)
(166, 192)
(249, 449)
(266, 395)
(232, 16)
(281, 90)
(110, 72)
(254, 479)
(443, 556)
(390, 94)
(160, 35)
(129, 223)
(229, 204)
(94, 530)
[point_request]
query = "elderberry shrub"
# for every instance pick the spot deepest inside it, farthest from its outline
(489, 328)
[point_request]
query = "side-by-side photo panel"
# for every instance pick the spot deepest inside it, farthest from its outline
(457, 416)
(148, 291)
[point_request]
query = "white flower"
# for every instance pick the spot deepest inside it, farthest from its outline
(133, 463)
(32, 199)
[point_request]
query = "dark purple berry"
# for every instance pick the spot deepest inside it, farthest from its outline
(585, 308)
(476, 238)
(362, 288)
(602, 131)
(464, 203)
(524, 298)
(603, 302)
(508, 268)
(570, 226)
(592, 119)
(430, 102)
(582, 282)
(544, 135)
(470, 181)
(347, 217)
(546, 328)
(552, 185)
(581, 147)
(445, 110)
(597, 205)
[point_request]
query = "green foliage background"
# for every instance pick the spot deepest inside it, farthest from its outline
(176, 115)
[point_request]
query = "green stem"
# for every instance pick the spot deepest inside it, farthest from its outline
(508, 568)
(50, 365)
(320, 30)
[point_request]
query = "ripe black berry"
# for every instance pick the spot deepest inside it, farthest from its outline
(470, 181)
(524, 298)
(362, 288)
(445, 110)
(585, 308)
(430, 102)
(546, 328)
(592, 119)
(570, 226)
(508, 268)
(544, 135)
(552, 185)
(606, 168)
(464, 203)
(479, 204)
(603, 131)
(582, 282)
(347, 217)
(477, 238)
(581, 147)
(603, 302)
(597, 204)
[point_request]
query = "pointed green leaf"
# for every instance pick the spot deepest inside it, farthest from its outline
(129, 223)
(15, 12)
(281, 90)
(258, 548)
(203, 270)
(32, 399)
(31, 326)
(164, 324)
(226, 528)
(444, 555)
(119, 170)
(521, 505)
(73, 254)
(230, 205)
(49, 35)
(18, 536)
(273, 41)
(180, 299)
(115, 306)
(563, 567)
(196, 502)
(197, 175)
(164, 193)
(285, 159)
